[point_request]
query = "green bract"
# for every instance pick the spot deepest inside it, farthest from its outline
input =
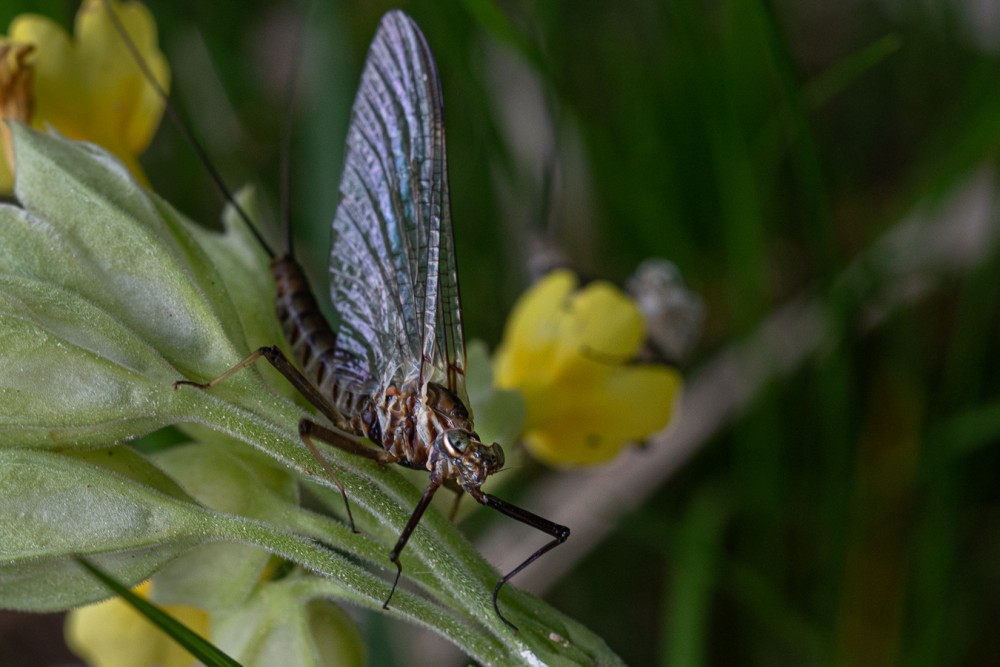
(107, 297)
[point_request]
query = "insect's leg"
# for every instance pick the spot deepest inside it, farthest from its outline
(309, 429)
(404, 537)
(254, 356)
(283, 365)
(452, 485)
(559, 533)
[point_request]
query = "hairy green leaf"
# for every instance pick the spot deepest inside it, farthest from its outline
(107, 297)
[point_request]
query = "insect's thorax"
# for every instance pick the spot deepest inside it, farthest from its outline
(409, 421)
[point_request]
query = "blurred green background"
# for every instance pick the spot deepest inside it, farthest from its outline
(849, 511)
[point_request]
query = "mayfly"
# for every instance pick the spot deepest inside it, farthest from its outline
(393, 369)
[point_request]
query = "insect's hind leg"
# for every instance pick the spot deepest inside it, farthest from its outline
(307, 428)
(283, 365)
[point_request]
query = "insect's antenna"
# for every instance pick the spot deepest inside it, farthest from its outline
(185, 128)
(285, 177)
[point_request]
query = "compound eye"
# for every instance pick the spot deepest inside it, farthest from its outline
(456, 442)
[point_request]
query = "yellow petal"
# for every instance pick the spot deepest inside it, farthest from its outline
(126, 98)
(601, 323)
(90, 87)
(112, 634)
(533, 331)
(604, 410)
(569, 355)
(6, 176)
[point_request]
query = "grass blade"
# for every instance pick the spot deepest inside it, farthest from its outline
(197, 646)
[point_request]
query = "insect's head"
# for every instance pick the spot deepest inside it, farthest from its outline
(472, 459)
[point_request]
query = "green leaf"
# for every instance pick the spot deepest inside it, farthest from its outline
(284, 624)
(105, 301)
(119, 247)
(221, 575)
(54, 506)
(70, 373)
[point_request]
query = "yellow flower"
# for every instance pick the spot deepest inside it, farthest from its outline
(568, 353)
(88, 87)
(113, 634)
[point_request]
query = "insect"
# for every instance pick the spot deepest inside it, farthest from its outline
(393, 369)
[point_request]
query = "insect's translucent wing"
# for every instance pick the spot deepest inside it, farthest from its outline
(449, 354)
(392, 266)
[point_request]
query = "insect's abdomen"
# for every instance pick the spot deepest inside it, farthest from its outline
(313, 344)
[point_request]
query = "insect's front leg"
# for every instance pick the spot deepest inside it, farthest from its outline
(404, 537)
(452, 485)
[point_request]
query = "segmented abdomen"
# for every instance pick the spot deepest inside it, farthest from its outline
(313, 344)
